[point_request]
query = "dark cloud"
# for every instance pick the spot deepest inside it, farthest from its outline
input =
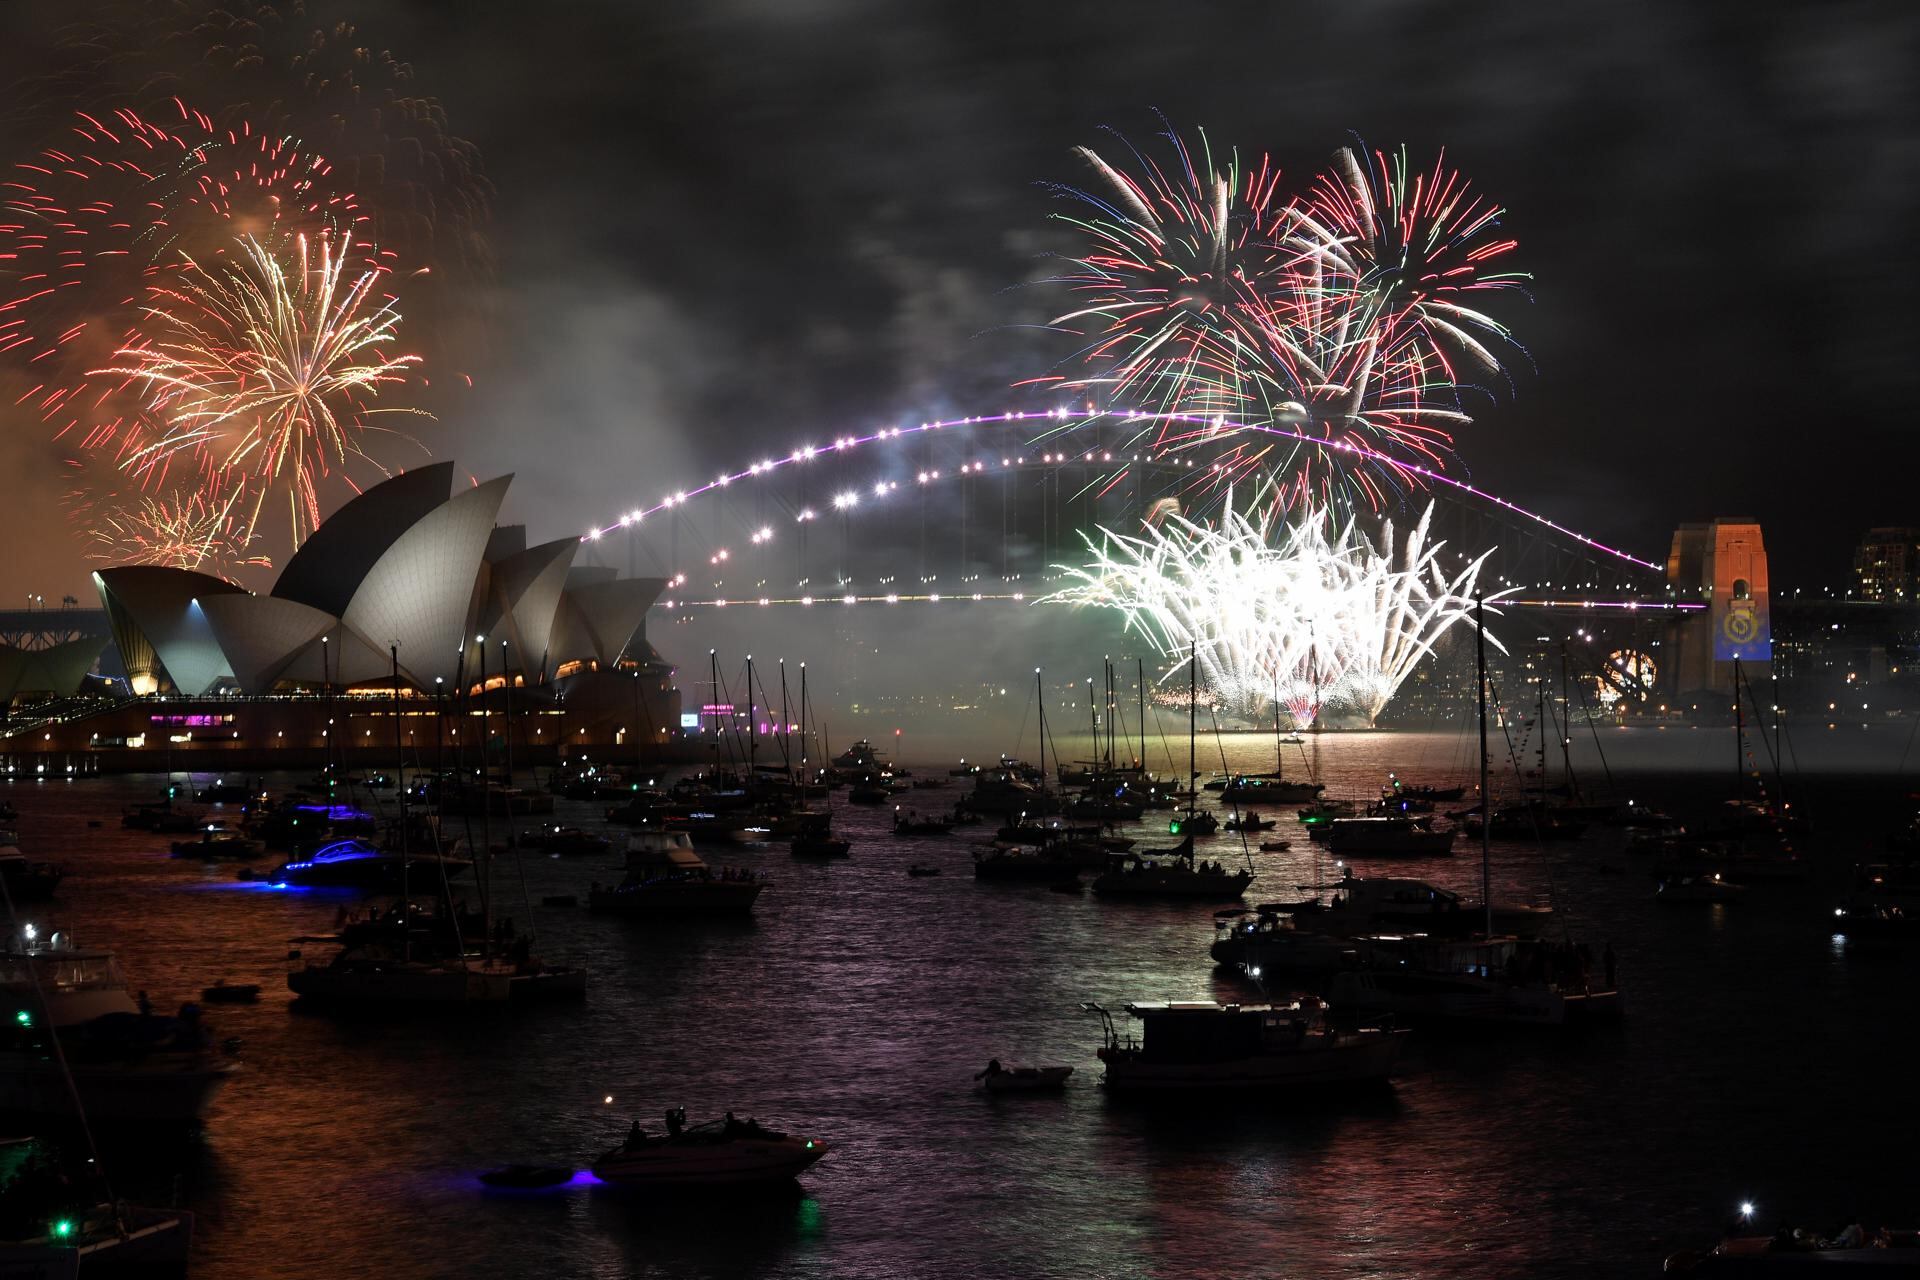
(719, 227)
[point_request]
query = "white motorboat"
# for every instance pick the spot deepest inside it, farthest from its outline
(1400, 904)
(1169, 873)
(1203, 1046)
(720, 1153)
(664, 874)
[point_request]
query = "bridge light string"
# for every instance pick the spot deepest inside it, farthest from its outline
(1208, 423)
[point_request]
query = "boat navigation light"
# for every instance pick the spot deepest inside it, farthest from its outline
(608, 1100)
(1254, 971)
(62, 1228)
(31, 932)
(1746, 1208)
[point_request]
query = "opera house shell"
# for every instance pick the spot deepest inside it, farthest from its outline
(408, 572)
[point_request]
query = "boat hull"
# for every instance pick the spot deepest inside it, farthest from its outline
(400, 985)
(740, 1162)
(157, 1243)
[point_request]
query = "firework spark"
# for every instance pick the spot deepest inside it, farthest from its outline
(1313, 613)
(261, 369)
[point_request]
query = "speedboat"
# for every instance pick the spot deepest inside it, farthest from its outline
(1266, 943)
(1788, 1254)
(1250, 821)
(1201, 1046)
(818, 847)
(1040, 865)
(720, 1153)
(356, 864)
(217, 840)
(129, 1067)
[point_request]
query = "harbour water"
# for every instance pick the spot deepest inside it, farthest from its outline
(1760, 1059)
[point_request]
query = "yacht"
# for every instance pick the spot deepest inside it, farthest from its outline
(1040, 864)
(415, 966)
(129, 1067)
(1692, 890)
(1267, 945)
(860, 755)
(216, 839)
(664, 874)
(1388, 838)
(1485, 980)
(1399, 904)
(357, 864)
(720, 1153)
(1206, 1047)
(1169, 873)
(105, 1239)
(1269, 789)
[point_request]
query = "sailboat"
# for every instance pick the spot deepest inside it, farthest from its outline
(414, 963)
(1272, 788)
(1484, 979)
(1173, 873)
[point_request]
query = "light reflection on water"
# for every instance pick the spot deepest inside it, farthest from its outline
(859, 1001)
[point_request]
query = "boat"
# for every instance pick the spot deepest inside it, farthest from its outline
(1250, 821)
(222, 792)
(1169, 873)
(104, 1239)
(860, 755)
(28, 880)
(999, 1079)
(1690, 890)
(1388, 838)
(1398, 904)
(565, 841)
(1513, 981)
(129, 1067)
(1204, 1047)
(719, 1153)
(218, 840)
(1038, 865)
(1531, 821)
(1266, 943)
(1796, 1254)
(1275, 846)
(909, 823)
(665, 875)
(224, 992)
(416, 967)
(868, 793)
(818, 847)
(357, 864)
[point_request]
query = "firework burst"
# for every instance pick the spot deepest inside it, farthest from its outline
(185, 530)
(1337, 316)
(1310, 613)
(259, 371)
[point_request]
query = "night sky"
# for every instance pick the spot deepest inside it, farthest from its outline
(726, 227)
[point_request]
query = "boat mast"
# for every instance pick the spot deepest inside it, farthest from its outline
(1040, 696)
(484, 866)
(786, 726)
(1566, 728)
(399, 758)
(713, 672)
(1279, 769)
(1140, 688)
(753, 725)
(1193, 693)
(1093, 729)
(1486, 804)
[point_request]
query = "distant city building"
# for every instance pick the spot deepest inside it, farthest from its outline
(1886, 565)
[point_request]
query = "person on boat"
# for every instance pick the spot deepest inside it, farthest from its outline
(636, 1136)
(993, 1069)
(732, 1127)
(676, 1120)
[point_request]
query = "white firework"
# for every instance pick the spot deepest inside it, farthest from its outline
(1313, 612)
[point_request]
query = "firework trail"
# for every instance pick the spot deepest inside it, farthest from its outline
(259, 371)
(1313, 612)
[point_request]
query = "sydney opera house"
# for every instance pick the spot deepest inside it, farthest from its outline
(412, 576)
